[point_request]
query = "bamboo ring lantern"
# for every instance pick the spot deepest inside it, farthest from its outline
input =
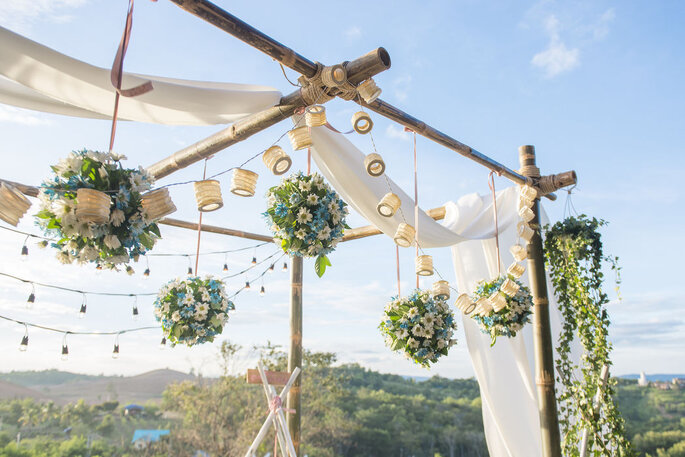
(519, 252)
(374, 164)
(424, 265)
(315, 115)
(465, 304)
(523, 203)
(208, 195)
(361, 122)
(498, 301)
(524, 231)
(389, 205)
(509, 287)
(441, 290)
(516, 270)
(277, 160)
(526, 214)
(13, 204)
(157, 204)
(368, 90)
(92, 206)
(528, 192)
(404, 236)
(300, 138)
(483, 306)
(244, 182)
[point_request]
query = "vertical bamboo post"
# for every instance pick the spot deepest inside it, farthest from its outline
(295, 354)
(542, 335)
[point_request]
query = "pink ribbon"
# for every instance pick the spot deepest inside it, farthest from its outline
(276, 404)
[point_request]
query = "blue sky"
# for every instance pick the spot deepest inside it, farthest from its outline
(596, 86)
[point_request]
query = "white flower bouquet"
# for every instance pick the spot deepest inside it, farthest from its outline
(307, 217)
(421, 325)
(124, 236)
(193, 310)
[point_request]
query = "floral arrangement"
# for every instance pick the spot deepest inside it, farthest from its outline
(512, 317)
(307, 217)
(421, 326)
(126, 235)
(192, 310)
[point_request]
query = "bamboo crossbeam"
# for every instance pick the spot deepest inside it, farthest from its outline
(215, 229)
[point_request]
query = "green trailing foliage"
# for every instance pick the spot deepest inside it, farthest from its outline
(573, 250)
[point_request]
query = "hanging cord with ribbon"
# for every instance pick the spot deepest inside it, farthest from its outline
(116, 75)
(491, 185)
(416, 201)
(199, 223)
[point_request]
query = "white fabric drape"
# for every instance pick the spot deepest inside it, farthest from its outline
(42, 79)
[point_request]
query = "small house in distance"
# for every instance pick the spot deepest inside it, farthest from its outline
(143, 438)
(133, 410)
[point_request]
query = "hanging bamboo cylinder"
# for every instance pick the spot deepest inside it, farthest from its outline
(498, 301)
(276, 160)
(361, 122)
(92, 206)
(465, 304)
(509, 287)
(441, 290)
(300, 138)
(315, 116)
(404, 236)
(389, 205)
(424, 265)
(528, 192)
(526, 214)
(208, 195)
(157, 204)
(368, 90)
(524, 203)
(516, 270)
(244, 182)
(483, 307)
(524, 231)
(13, 204)
(374, 164)
(519, 252)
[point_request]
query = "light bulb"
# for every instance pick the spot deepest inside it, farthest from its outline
(190, 271)
(262, 291)
(271, 268)
(115, 352)
(24, 252)
(30, 300)
(135, 313)
(162, 344)
(65, 352)
(146, 273)
(82, 311)
(247, 284)
(225, 267)
(254, 261)
(285, 266)
(24, 343)
(98, 269)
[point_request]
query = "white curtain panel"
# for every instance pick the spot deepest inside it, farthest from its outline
(42, 79)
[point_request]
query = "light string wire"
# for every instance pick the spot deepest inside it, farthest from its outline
(77, 332)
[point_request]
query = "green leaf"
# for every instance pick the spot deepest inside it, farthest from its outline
(146, 240)
(320, 265)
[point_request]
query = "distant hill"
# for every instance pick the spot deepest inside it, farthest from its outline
(654, 377)
(92, 389)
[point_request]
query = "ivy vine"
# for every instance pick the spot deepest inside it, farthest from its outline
(573, 250)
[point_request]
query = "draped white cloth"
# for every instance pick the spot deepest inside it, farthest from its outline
(39, 78)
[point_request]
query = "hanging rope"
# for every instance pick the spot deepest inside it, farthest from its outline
(116, 75)
(491, 185)
(416, 201)
(397, 262)
(199, 224)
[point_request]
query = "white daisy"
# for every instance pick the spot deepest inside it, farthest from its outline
(304, 216)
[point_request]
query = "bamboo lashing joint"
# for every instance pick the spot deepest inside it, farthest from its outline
(361, 122)
(208, 195)
(13, 204)
(404, 236)
(315, 116)
(389, 205)
(368, 90)
(300, 138)
(551, 183)
(244, 182)
(441, 290)
(374, 164)
(276, 160)
(424, 265)
(92, 206)
(157, 204)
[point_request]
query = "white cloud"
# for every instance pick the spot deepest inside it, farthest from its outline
(19, 14)
(397, 132)
(401, 87)
(601, 28)
(556, 58)
(353, 33)
(21, 116)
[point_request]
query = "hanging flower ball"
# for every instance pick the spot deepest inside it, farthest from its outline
(421, 326)
(93, 208)
(307, 217)
(511, 307)
(192, 310)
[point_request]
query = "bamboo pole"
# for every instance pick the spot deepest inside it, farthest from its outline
(542, 335)
(214, 229)
(295, 353)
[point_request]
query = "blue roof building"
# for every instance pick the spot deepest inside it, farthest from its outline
(144, 437)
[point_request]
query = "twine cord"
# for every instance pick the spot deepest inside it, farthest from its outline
(199, 223)
(491, 185)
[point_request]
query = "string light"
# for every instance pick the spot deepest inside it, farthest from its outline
(98, 269)
(254, 261)
(162, 344)
(225, 262)
(285, 266)
(115, 352)
(190, 266)
(225, 267)
(271, 268)
(247, 284)
(24, 253)
(146, 273)
(135, 307)
(32, 296)
(65, 348)
(262, 292)
(82, 311)
(23, 346)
